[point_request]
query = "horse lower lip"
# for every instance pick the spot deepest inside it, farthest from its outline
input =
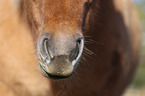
(55, 77)
(58, 67)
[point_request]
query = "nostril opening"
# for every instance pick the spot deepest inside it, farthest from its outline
(45, 45)
(74, 53)
(42, 48)
(77, 52)
(79, 40)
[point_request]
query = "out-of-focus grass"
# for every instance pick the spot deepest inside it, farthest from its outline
(134, 92)
(137, 87)
(139, 80)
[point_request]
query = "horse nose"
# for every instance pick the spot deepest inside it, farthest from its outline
(59, 56)
(77, 51)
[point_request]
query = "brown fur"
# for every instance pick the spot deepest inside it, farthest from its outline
(114, 28)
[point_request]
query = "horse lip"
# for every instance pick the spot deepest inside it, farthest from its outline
(56, 76)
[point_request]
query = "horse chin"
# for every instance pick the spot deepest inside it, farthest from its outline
(57, 72)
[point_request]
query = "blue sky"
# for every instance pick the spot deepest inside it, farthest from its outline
(138, 1)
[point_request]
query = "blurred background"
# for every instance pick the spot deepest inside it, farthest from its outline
(137, 88)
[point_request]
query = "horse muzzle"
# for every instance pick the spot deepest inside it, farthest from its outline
(59, 55)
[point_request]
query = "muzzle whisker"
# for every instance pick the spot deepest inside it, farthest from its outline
(84, 60)
(89, 52)
(63, 86)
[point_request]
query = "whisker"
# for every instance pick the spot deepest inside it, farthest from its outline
(91, 41)
(87, 36)
(89, 52)
(74, 79)
(63, 85)
(84, 60)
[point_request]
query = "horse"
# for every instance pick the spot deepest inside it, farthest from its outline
(83, 47)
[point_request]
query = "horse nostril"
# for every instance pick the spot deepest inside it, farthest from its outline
(77, 52)
(47, 60)
(42, 49)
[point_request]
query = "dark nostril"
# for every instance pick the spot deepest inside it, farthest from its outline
(79, 40)
(77, 52)
(42, 48)
(74, 53)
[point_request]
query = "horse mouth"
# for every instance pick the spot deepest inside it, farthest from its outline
(57, 67)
